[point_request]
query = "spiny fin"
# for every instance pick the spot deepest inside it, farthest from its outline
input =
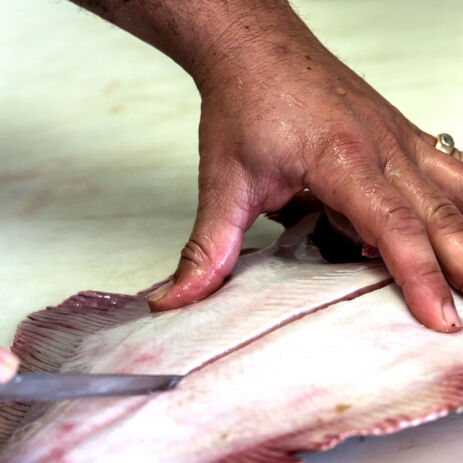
(46, 339)
(436, 398)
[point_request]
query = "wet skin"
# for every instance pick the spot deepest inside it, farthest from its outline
(280, 113)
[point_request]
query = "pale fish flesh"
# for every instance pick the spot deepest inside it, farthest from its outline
(291, 354)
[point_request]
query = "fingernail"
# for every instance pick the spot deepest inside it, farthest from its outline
(450, 315)
(160, 292)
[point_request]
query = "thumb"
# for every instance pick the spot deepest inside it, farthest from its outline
(211, 252)
(9, 364)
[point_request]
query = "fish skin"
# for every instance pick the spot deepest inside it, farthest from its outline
(283, 407)
(265, 379)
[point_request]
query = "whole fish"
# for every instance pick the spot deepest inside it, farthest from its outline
(293, 353)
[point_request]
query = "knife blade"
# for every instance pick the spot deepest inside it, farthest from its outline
(44, 387)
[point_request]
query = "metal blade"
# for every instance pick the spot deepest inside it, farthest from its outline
(44, 387)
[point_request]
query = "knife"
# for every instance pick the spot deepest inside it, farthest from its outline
(44, 387)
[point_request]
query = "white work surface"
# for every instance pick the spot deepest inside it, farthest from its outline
(98, 154)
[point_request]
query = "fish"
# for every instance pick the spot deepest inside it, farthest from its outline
(293, 353)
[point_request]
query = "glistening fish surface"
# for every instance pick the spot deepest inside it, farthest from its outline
(291, 354)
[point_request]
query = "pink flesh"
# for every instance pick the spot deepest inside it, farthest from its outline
(265, 379)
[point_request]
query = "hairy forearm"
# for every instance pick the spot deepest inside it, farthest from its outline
(199, 34)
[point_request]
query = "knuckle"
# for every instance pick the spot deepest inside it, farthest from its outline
(400, 218)
(444, 216)
(423, 274)
(347, 143)
(196, 254)
(344, 150)
(398, 222)
(388, 140)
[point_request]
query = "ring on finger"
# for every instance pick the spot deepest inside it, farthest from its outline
(445, 143)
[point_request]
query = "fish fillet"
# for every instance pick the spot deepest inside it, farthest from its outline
(291, 354)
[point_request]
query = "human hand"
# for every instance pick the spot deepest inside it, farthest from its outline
(293, 116)
(9, 364)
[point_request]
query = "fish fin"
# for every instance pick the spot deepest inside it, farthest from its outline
(298, 207)
(263, 454)
(46, 339)
(437, 398)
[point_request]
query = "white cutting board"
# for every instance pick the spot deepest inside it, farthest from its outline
(98, 154)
